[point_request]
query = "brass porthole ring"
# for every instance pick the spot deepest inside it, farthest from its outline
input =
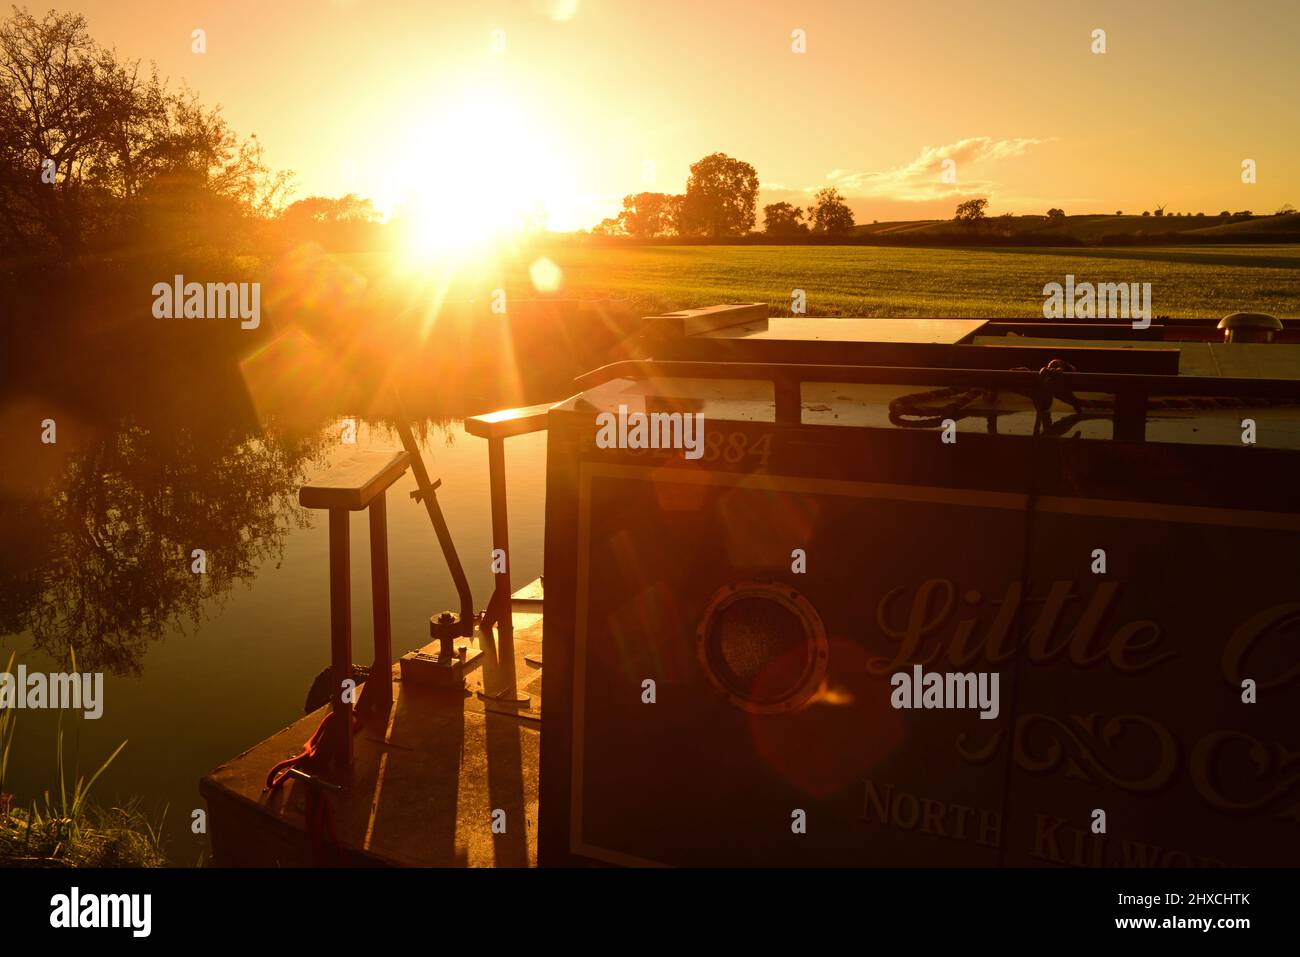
(762, 646)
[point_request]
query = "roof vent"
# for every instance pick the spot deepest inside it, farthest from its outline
(1249, 327)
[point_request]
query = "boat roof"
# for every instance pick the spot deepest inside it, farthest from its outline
(739, 342)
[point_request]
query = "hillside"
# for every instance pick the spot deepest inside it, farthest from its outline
(1087, 229)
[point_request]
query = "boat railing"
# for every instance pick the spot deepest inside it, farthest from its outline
(357, 482)
(496, 427)
(1132, 392)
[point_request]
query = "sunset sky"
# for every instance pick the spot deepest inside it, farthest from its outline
(409, 102)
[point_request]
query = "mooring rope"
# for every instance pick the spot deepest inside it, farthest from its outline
(319, 816)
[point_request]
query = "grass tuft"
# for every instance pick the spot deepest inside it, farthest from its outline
(66, 830)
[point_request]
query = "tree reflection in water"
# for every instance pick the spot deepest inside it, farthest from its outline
(99, 560)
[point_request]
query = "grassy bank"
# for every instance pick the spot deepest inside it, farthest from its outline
(111, 837)
(63, 828)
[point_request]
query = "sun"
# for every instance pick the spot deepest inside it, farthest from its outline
(488, 172)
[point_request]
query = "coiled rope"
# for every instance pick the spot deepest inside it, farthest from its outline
(927, 410)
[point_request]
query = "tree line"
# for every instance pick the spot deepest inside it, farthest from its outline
(720, 202)
(98, 154)
(973, 212)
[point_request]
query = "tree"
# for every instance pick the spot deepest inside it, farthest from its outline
(1286, 209)
(674, 219)
(782, 219)
(649, 215)
(1055, 214)
(1119, 212)
(342, 223)
(610, 226)
(721, 193)
(117, 148)
(971, 211)
(831, 215)
(322, 209)
(1160, 210)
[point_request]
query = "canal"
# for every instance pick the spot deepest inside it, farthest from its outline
(198, 667)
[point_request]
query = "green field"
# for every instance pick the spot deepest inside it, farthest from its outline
(1196, 281)
(1206, 282)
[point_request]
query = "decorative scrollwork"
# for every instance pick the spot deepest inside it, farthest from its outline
(1273, 786)
(1086, 748)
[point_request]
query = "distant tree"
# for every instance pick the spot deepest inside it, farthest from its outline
(322, 209)
(1242, 214)
(1200, 214)
(1146, 212)
(783, 219)
(674, 217)
(1055, 214)
(1224, 214)
(649, 215)
(720, 199)
(1119, 212)
(610, 226)
(830, 214)
(342, 223)
(1160, 210)
(1286, 209)
(971, 211)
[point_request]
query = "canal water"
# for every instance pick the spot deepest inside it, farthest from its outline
(199, 667)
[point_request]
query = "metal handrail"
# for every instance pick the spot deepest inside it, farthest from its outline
(1131, 391)
(1108, 382)
(496, 427)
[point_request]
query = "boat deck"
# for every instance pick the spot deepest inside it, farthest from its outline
(424, 788)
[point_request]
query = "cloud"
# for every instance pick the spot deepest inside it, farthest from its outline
(921, 179)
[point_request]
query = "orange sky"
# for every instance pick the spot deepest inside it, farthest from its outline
(409, 102)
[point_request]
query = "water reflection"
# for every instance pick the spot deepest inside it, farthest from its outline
(102, 563)
(172, 437)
